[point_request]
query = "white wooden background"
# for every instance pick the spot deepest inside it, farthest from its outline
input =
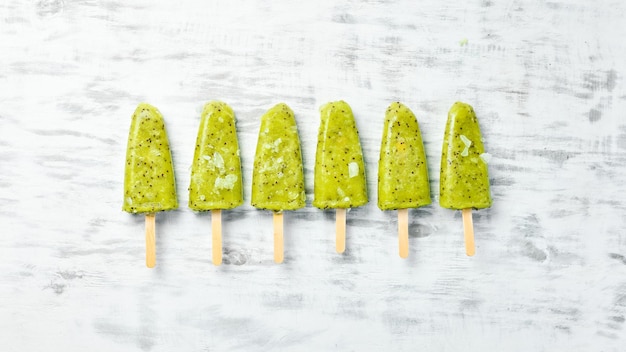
(546, 79)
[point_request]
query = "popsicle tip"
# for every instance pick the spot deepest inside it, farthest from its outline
(335, 104)
(398, 106)
(146, 106)
(281, 107)
(216, 106)
(460, 104)
(342, 104)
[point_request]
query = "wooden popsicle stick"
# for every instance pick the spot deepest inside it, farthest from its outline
(468, 229)
(216, 232)
(340, 230)
(150, 240)
(403, 232)
(278, 238)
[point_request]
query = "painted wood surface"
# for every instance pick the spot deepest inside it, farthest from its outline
(546, 80)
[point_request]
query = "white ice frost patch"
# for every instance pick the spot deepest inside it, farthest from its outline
(218, 161)
(467, 143)
(226, 182)
(486, 157)
(273, 146)
(155, 152)
(353, 169)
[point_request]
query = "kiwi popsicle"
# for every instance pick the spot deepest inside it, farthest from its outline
(339, 168)
(464, 181)
(216, 182)
(402, 169)
(149, 184)
(278, 177)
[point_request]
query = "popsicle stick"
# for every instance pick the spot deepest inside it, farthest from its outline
(340, 230)
(468, 229)
(403, 232)
(150, 240)
(278, 238)
(216, 231)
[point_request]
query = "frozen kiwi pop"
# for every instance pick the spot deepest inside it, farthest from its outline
(216, 170)
(339, 169)
(278, 178)
(402, 169)
(149, 184)
(464, 183)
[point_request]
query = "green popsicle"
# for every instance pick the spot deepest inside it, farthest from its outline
(339, 168)
(464, 182)
(278, 178)
(402, 169)
(216, 169)
(149, 184)
(149, 178)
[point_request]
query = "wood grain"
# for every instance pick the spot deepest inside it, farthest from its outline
(403, 233)
(546, 80)
(216, 237)
(279, 242)
(150, 240)
(468, 232)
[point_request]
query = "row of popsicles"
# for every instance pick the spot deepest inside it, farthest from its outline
(278, 177)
